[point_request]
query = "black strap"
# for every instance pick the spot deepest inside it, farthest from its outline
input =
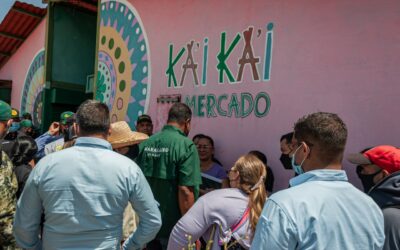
(393, 206)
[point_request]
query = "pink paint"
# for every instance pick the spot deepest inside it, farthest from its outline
(127, 40)
(131, 52)
(134, 22)
(340, 57)
(140, 38)
(121, 32)
(17, 67)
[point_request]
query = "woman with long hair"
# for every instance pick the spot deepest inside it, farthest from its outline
(225, 218)
(22, 153)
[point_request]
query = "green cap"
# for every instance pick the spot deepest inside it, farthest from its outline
(64, 117)
(14, 113)
(5, 111)
(26, 123)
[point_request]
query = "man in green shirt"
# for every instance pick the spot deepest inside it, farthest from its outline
(171, 164)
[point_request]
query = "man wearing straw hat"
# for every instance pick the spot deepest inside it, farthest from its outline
(83, 191)
(125, 141)
(171, 164)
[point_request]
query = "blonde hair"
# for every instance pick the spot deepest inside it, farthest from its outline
(252, 174)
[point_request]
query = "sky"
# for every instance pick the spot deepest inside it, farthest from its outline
(5, 6)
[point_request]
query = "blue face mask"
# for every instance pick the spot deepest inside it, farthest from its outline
(14, 127)
(297, 168)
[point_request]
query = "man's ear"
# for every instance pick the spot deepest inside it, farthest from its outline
(385, 173)
(78, 130)
(109, 132)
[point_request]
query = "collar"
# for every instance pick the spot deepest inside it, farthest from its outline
(173, 128)
(93, 142)
(319, 175)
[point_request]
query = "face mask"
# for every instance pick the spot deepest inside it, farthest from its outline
(286, 161)
(297, 168)
(14, 127)
(367, 180)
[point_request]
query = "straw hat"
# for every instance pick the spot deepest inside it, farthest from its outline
(122, 135)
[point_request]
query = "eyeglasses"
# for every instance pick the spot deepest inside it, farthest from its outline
(203, 146)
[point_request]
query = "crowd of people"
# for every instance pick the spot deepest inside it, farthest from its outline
(88, 183)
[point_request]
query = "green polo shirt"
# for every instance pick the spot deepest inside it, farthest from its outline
(169, 159)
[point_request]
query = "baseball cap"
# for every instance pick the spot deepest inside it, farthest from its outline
(26, 123)
(384, 156)
(14, 113)
(64, 117)
(5, 111)
(144, 118)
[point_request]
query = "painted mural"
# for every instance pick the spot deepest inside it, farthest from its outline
(123, 70)
(245, 61)
(31, 98)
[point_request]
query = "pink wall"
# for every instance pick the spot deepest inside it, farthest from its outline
(337, 56)
(16, 68)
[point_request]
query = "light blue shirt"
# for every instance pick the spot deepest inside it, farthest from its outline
(321, 210)
(83, 191)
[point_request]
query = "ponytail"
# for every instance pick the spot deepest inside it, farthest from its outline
(257, 198)
(252, 174)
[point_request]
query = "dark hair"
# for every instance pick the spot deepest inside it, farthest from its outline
(203, 136)
(261, 156)
(23, 150)
(198, 136)
(93, 117)
(27, 116)
(179, 113)
(288, 137)
(327, 131)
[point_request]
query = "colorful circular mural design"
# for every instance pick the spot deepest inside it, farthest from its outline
(123, 70)
(31, 99)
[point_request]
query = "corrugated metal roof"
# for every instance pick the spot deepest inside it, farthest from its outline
(17, 25)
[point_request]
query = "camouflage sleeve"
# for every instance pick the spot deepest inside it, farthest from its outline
(8, 190)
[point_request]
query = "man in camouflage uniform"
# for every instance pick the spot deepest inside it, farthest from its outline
(8, 186)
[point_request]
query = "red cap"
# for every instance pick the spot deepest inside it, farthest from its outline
(385, 156)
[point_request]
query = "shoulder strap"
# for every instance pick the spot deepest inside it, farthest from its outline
(242, 220)
(393, 206)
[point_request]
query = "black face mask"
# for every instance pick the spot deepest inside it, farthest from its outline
(367, 180)
(286, 161)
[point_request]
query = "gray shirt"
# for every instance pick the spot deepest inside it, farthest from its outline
(224, 208)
